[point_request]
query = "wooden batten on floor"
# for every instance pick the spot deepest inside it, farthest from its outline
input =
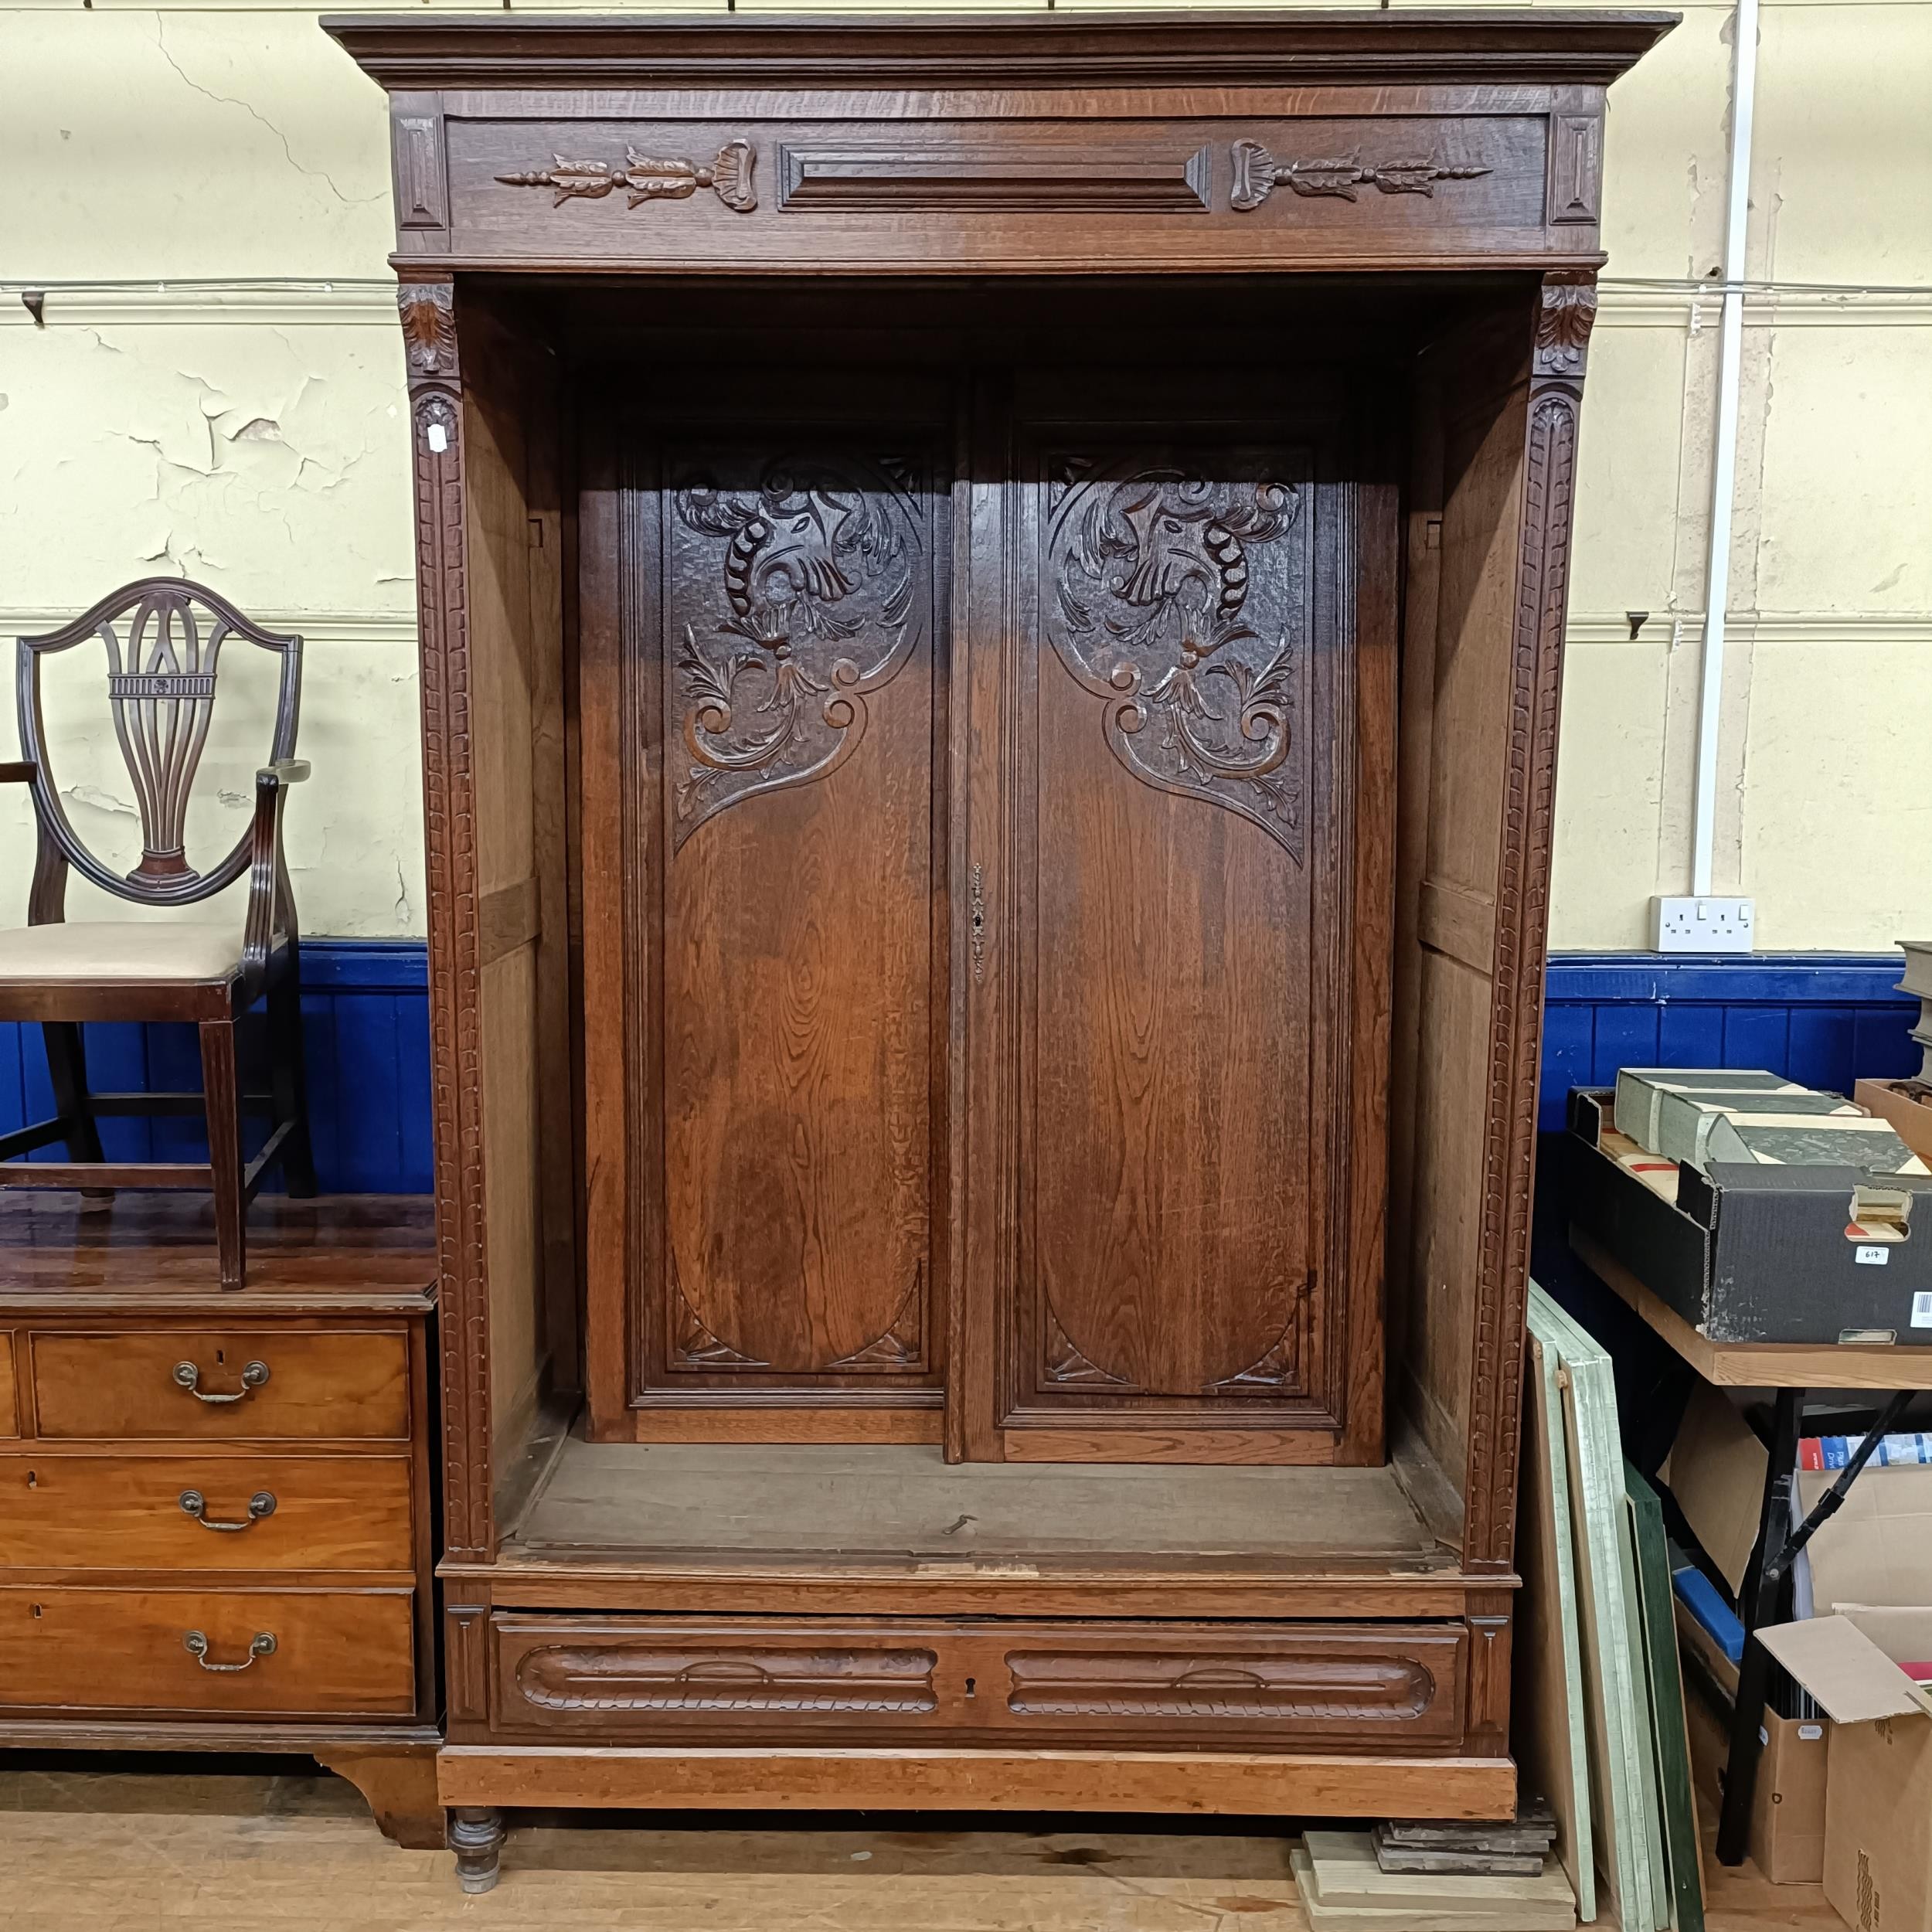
(1252, 1785)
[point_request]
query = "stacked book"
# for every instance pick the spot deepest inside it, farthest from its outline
(1918, 979)
(1700, 1115)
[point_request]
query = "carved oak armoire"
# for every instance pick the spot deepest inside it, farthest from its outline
(992, 596)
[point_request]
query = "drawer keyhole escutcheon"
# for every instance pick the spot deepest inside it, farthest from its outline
(261, 1504)
(188, 1376)
(195, 1643)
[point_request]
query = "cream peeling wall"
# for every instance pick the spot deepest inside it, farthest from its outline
(252, 436)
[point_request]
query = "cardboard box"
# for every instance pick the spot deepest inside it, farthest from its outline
(1878, 1548)
(1908, 1105)
(1878, 1802)
(1751, 1254)
(1787, 1842)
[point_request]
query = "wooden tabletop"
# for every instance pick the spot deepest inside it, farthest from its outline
(1759, 1365)
(83, 1252)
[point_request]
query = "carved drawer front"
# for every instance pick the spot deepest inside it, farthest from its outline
(266, 1384)
(1398, 1687)
(230, 1511)
(292, 1653)
(640, 1677)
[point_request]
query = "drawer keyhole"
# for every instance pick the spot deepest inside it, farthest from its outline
(971, 1683)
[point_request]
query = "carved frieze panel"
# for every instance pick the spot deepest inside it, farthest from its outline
(1175, 591)
(674, 1680)
(1257, 173)
(996, 175)
(794, 593)
(644, 178)
(1236, 1688)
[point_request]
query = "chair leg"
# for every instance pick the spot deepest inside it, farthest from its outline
(67, 1070)
(221, 1095)
(288, 1075)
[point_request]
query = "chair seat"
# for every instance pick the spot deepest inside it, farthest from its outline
(126, 952)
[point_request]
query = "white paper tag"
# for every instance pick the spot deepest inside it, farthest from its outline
(1922, 1309)
(1874, 1256)
(1810, 1733)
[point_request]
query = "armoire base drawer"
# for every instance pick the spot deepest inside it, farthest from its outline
(293, 1653)
(1254, 1686)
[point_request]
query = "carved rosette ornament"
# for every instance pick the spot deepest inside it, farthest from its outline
(1176, 599)
(1257, 173)
(809, 584)
(646, 178)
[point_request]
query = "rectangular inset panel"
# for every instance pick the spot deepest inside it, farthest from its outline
(987, 174)
(1169, 1154)
(9, 1414)
(783, 650)
(1168, 1055)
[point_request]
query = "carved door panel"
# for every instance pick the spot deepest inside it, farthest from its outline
(1173, 1246)
(778, 778)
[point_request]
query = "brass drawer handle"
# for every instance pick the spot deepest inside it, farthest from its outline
(189, 1376)
(195, 1643)
(261, 1504)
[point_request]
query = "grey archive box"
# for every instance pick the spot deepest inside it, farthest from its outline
(1760, 1253)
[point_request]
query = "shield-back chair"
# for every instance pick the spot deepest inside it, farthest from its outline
(163, 638)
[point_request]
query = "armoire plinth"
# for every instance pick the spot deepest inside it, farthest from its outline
(992, 595)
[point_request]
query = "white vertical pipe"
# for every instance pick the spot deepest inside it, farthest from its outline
(1730, 360)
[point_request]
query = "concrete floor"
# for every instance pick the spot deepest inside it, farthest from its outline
(86, 1846)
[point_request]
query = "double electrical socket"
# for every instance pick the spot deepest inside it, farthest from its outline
(1706, 925)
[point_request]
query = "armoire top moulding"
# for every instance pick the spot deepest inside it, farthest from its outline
(1049, 143)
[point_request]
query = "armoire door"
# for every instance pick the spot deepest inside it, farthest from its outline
(1177, 625)
(763, 824)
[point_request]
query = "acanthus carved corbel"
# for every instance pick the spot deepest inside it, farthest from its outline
(646, 178)
(1564, 318)
(428, 309)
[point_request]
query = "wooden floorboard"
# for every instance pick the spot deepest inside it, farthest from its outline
(133, 1850)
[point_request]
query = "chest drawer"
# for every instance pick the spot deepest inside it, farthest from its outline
(264, 1385)
(214, 1653)
(207, 1512)
(1249, 1686)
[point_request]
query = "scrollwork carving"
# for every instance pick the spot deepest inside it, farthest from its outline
(898, 1346)
(716, 1682)
(1064, 1364)
(813, 576)
(1258, 1689)
(1153, 605)
(648, 178)
(1257, 173)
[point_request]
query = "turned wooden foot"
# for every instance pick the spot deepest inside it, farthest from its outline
(399, 1783)
(476, 1837)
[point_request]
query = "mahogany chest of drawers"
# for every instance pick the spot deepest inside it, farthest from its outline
(216, 1529)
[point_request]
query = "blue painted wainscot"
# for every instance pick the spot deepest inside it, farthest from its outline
(1826, 1018)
